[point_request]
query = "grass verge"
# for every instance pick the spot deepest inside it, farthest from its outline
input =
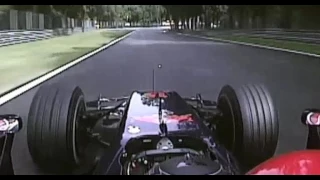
(290, 45)
(23, 62)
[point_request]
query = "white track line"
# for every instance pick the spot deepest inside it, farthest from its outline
(254, 45)
(7, 97)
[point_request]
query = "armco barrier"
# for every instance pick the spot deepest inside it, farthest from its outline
(306, 36)
(21, 36)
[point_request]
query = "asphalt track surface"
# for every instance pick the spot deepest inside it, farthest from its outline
(190, 66)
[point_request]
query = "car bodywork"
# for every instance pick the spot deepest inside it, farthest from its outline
(9, 125)
(141, 132)
(305, 162)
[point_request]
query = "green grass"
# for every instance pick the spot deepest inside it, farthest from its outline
(24, 62)
(291, 45)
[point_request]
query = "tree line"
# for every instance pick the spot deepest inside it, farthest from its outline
(132, 14)
(191, 16)
(246, 16)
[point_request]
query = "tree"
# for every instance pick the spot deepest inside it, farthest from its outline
(182, 13)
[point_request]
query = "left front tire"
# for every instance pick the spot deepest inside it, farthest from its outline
(55, 141)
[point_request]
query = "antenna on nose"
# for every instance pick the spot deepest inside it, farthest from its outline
(153, 76)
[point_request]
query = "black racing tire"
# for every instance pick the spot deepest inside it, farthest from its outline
(249, 127)
(52, 128)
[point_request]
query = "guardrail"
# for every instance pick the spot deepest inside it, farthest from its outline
(12, 37)
(306, 36)
(18, 37)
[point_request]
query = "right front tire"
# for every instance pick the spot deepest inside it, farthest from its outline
(249, 127)
(55, 139)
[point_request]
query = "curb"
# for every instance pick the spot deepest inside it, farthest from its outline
(11, 94)
(253, 45)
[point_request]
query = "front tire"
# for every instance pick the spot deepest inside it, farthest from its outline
(54, 138)
(249, 127)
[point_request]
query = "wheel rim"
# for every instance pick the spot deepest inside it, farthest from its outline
(226, 127)
(80, 140)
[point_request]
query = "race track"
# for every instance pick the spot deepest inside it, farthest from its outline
(190, 66)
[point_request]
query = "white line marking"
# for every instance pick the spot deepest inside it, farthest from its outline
(254, 45)
(7, 97)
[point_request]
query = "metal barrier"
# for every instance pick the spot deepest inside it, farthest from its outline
(19, 26)
(306, 36)
(12, 37)
(18, 37)
(21, 20)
